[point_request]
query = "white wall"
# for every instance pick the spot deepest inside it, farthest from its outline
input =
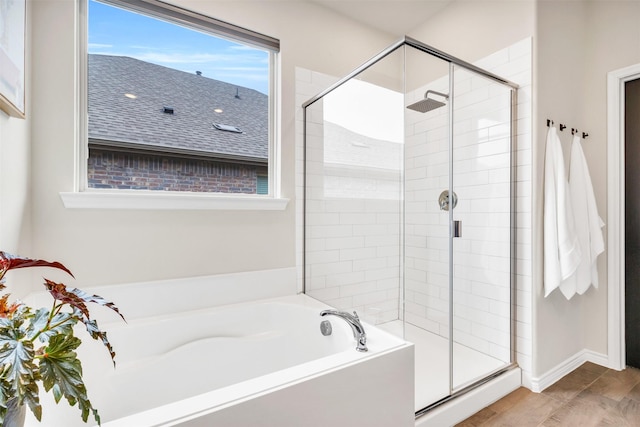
(15, 180)
(14, 183)
(560, 56)
(578, 44)
(107, 247)
(471, 29)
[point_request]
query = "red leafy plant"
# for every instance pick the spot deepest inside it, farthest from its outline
(38, 345)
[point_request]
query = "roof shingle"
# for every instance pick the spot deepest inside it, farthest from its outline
(141, 121)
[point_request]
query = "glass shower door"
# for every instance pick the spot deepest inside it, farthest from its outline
(353, 194)
(481, 227)
(426, 232)
(408, 211)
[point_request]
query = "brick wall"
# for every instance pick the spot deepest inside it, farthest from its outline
(107, 169)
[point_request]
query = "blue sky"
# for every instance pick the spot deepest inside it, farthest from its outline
(113, 31)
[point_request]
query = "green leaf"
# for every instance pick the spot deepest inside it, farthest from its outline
(17, 360)
(5, 395)
(62, 371)
(60, 367)
(97, 334)
(96, 299)
(62, 323)
(77, 298)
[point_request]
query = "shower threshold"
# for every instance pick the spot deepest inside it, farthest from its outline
(432, 364)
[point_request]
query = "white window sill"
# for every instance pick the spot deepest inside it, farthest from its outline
(169, 201)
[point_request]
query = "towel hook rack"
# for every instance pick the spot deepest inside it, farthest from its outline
(562, 126)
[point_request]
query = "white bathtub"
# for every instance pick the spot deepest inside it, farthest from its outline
(262, 363)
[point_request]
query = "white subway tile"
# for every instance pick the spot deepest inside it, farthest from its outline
(422, 322)
(351, 242)
(471, 341)
(326, 269)
(499, 352)
(382, 273)
(324, 294)
(357, 288)
(390, 285)
(322, 257)
(365, 265)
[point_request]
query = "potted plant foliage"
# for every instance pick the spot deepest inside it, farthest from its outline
(37, 345)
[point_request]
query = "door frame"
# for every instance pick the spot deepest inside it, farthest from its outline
(615, 212)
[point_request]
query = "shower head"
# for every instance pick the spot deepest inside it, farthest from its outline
(428, 104)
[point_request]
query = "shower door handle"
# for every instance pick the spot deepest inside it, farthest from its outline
(457, 229)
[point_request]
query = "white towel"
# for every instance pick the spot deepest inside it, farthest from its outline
(561, 247)
(588, 224)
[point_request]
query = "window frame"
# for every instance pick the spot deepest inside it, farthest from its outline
(85, 197)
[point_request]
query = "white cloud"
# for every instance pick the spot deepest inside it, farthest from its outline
(99, 46)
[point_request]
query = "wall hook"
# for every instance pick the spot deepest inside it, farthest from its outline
(549, 122)
(584, 135)
(562, 127)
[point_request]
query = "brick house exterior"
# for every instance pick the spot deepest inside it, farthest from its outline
(156, 128)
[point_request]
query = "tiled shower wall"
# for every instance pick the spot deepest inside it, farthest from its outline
(514, 63)
(481, 181)
(353, 243)
(353, 213)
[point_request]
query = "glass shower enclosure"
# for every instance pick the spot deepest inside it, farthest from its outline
(409, 210)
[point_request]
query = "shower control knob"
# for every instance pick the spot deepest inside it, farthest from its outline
(443, 200)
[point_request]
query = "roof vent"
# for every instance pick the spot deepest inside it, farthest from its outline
(227, 128)
(199, 73)
(167, 110)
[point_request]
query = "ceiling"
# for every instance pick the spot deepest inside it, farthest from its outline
(396, 17)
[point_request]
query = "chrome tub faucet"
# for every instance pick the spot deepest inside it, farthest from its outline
(354, 321)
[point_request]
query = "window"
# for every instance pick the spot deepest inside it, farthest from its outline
(263, 184)
(177, 101)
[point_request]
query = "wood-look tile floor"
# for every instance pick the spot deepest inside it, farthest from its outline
(589, 396)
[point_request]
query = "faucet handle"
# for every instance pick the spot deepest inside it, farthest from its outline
(355, 315)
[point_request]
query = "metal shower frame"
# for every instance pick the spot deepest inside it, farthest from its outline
(452, 60)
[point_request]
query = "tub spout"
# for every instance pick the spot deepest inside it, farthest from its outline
(354, 321)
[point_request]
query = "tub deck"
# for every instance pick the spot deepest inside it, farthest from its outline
(230, 364)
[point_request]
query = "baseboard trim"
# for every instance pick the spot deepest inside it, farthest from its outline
(538, 384)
